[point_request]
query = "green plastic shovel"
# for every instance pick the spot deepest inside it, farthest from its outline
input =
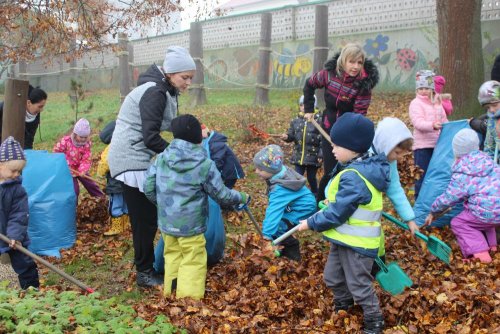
(436, 246)
(392, 278)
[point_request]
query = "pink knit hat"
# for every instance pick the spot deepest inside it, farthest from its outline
(82, 128)
(439, 82)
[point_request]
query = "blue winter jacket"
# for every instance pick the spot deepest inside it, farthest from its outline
(352, 192)
(14, 213)
(179, 182)
(226, 161)
(289, 199)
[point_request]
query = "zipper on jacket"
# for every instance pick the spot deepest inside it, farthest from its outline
(304, 134)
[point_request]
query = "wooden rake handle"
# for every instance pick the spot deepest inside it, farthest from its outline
(49, 265)
(320, 129)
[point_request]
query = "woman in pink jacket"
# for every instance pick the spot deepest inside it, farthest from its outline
(427, 116)
(76, 149)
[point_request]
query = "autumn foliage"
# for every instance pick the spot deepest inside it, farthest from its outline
(252, 291)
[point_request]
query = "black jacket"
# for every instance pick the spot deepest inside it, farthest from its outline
(495, 70)
(307, 147)
(29, 129)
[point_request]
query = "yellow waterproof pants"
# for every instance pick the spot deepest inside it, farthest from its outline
(186, 260)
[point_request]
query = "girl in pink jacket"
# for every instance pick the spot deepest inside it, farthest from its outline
(76, 149)
(427, 116)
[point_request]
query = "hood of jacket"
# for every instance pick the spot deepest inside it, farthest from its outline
(476, 163)
(217, 137)
(154, 74)
(184, 156)
(17, 180)
(287, 178)
(369, 74)
(389, 133)
(374, 168)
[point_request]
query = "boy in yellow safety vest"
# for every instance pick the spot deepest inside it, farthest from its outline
(351, 220)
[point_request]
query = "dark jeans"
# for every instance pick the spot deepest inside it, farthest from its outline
(422, 158)
(311, 175)
(25, 268)
(329, 162)
(143, 220)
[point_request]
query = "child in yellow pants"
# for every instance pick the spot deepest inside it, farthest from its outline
(179, 182)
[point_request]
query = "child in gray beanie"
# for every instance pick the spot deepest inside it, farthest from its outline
(475, 181)
(289, 198)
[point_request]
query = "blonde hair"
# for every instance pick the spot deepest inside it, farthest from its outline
(14, 164)
(350, 51)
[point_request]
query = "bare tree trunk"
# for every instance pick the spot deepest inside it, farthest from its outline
(461, 53)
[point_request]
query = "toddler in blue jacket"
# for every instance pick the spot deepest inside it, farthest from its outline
(289, 198)
(14, 212)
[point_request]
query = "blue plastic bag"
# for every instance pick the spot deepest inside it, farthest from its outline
(52, 202)
(438, 176)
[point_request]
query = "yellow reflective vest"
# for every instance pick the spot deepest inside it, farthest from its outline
(363, 228)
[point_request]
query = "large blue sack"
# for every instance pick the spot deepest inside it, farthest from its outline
(52, 202)
(439, 175)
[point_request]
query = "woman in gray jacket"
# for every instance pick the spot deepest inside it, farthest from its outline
(146, 111)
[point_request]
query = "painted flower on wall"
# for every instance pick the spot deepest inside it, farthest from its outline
(374, 46)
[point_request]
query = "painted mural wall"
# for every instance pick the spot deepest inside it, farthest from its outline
(399, 36)
(398, 55)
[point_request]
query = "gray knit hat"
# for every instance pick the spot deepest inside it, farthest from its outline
(269, 159)
(425, 79)
(11, 150)
(464, 142)
(178, 59)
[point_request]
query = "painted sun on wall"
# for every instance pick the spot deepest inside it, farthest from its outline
(397, 65)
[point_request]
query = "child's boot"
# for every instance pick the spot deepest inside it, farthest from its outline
(343, 305)
(116, 226)
(373, 324)
(125, 222)
(483, 256)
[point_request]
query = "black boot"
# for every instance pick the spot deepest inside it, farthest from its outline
(148, 279)
(291, 249)
(342, 305)
(373, 324)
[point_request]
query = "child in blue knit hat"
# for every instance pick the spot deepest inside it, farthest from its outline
(15, 212)
(289, 198)
(351, 220)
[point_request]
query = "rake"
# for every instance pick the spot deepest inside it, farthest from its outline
(260, 133)
(436, 246)
(49, 265)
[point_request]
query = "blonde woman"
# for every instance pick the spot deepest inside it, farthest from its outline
(348, 79)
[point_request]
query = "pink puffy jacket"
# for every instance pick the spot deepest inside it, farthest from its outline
(423, 115)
